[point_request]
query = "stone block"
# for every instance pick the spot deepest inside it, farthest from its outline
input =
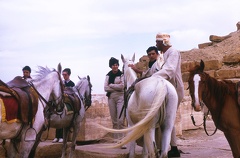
(212, 65)
(225, 73)
(186, 66)
(204, 45)
(238, 26)
(217, 39)
(232, 58)
(211, 73)
(238, 72)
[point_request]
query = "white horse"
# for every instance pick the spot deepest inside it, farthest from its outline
(73, 119)
(152, 103)
(48, 84)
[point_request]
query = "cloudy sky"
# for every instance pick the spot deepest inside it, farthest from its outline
(84, 34)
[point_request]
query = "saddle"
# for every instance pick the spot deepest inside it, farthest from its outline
(72, 99)
(25, 95)
(128, 93)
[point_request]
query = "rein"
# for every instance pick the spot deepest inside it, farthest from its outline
(204, 118)
(41, 97)
(204, 124)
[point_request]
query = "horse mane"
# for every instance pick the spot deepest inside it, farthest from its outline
(42, 72)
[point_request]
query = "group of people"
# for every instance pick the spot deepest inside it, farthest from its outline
(67, 83)
(164, 61)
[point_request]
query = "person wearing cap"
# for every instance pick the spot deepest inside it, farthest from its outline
(67, 83)
(167, 64)
(171, 71)
(26, 72)
(114, 86)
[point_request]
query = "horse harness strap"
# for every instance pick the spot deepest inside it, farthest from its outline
(25, 95)
(128, 93)
(238, 92)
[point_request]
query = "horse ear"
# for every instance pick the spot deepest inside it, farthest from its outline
(79, 78)
(133, 58)
(202, 65)
(123, 59)
(59, 68)
(88, 78)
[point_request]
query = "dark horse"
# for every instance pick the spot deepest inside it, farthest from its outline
(221, 98)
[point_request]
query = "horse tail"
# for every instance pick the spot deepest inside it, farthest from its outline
(147, 122)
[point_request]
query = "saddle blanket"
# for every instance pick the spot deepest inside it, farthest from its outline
(9, 108)
(68, 108)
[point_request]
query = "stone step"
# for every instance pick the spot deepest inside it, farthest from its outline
(48, 149)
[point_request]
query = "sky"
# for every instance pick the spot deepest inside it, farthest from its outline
(84, 34)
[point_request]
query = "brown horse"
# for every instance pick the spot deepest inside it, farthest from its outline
(221, 98)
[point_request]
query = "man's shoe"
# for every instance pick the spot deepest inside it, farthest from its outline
(60, 140)
(174, 152)
(55, 140)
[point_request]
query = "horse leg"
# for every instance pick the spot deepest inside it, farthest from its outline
(25, 148)
(33, 151)
(12, 148)
(65, 137)
(167, 128)
(28, 138)
(233, 140)
(144, 150)
(132, 144)
(149, 141)
(168, 124)
(76, 129)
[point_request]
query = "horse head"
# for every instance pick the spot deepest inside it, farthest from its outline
(49, 84)
(197, 85)
(84, 88)
(129, 74)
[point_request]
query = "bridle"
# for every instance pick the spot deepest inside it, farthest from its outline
(49, 104)
(205, 116)
(88, 98)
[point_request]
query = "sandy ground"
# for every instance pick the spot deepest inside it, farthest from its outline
(193, 144)
(196, 144)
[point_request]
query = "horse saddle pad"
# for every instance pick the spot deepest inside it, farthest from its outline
(10, 109)
(26, 96)
(68, 108)
(73, 100)
(70, 97)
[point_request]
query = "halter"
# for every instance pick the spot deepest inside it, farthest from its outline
(204, 116)
(50, 103)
